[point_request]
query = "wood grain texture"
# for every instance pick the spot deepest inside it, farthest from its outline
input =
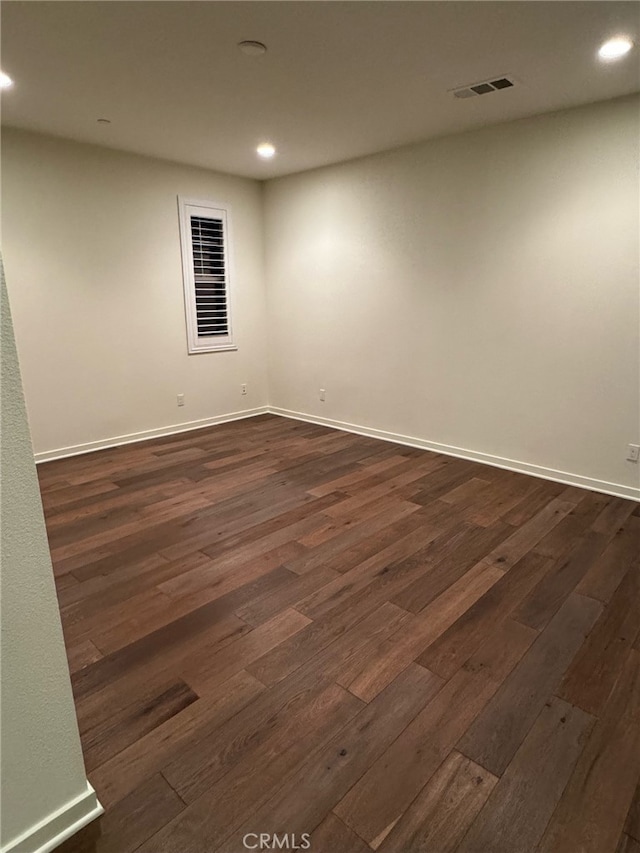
(138, 815)
(522, 802)
(324, 779)
(249, 781)
(164, 744)
(442, 812)
(591, 814)
(273, 626)
(627, 844)
(494, 737)
(598, 665)
(606, 573)
(332, 835)
(84, 841)
(447, 654)
(410, 640)
(375, 804)
(111, 735)
(632, 825)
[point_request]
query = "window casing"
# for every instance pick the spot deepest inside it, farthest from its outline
(205, 240)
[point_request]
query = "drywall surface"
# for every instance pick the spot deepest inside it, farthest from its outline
(479, 291)
(92, 257)
(42, 767)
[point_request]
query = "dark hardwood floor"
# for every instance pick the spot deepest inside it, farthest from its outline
(275, 627)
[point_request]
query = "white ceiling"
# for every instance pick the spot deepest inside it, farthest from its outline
(340, 79)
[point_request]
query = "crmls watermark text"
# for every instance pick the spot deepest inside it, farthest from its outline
(269, 841)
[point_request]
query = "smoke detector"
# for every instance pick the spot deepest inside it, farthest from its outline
(483, 88)
(252, 48)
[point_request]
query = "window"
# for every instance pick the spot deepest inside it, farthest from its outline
(204, 235)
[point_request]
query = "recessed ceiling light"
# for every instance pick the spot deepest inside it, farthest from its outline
(5, 81)
(615, 48)
(266, 150)
(252, 48)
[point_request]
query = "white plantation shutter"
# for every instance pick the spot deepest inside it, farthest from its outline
(204, 231)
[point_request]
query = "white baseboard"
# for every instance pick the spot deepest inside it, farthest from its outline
(565, 477)
(130, 438)
(475, 456)
(58, 826)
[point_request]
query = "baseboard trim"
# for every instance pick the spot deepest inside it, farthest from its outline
(564, 477)
(616, 489)
(59, 825)
(146, 435)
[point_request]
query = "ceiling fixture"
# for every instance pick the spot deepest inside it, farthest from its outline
(484, 88)
(615, 48)
(5, 81)
(266, 150)
(252, 48)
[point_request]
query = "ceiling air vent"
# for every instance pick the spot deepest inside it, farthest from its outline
(483, 88)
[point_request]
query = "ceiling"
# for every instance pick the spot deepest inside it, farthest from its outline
(339, 79)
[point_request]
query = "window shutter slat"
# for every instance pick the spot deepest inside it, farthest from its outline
(208, 249)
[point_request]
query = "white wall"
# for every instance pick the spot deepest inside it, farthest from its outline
(92, 257)
(44, 787)
(479, 291)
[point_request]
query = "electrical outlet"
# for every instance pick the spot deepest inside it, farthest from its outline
(322, 394)
(633, 453)
(243, 389)
(181, 399)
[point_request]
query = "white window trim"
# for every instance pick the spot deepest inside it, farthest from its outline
(187, 207)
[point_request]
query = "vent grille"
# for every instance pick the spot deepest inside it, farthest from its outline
(484, 87)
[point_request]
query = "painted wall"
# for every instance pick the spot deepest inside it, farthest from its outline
(92, 257)
(42, 768)
(479, 291)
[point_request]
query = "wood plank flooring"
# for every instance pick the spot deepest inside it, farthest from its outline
(275, 627)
